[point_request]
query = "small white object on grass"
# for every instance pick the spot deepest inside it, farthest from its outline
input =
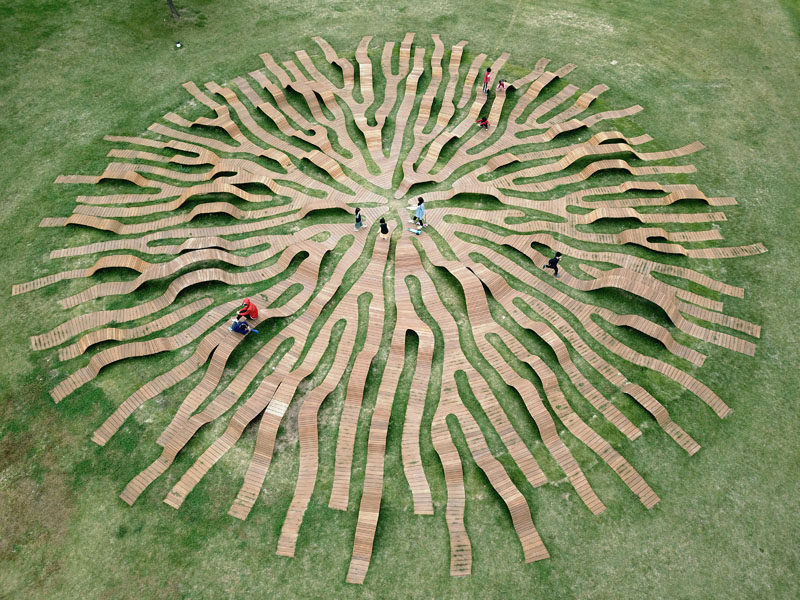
(613, 62)
(178, 45)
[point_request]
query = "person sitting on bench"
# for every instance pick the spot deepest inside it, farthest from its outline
(241, 327)
(249, 310)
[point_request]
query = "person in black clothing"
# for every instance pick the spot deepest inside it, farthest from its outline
(553, 264)
(384, 229)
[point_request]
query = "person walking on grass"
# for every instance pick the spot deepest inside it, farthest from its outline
(487, 79)
(553, 264)
(384, 229)
(419, 213)
(359, 222)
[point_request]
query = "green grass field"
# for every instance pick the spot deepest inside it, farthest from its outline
(726, 527)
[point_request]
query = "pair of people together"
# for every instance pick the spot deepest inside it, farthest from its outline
(487, 80)
(248, 311)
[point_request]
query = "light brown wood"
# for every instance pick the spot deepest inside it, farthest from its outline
(500, 202)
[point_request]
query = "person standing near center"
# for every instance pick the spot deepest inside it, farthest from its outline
(419, 213)
(487, 79)
(384, 229)
(359, 222)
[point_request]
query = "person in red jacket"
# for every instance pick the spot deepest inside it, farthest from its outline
(487, 79)
(249, 310)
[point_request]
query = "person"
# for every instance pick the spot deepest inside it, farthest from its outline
(359, 222)
(483, 122)
(553, 264)
(419, 213)
(241, 327)
(487, 78)
(248, 311)
(384, 229)
(501, 85)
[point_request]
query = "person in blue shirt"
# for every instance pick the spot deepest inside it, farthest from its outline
(419, 213)
(241, 327)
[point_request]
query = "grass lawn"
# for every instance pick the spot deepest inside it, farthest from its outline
(726, 527)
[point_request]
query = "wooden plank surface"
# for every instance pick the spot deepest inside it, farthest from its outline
(301, 138)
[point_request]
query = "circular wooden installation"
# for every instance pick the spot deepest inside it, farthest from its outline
(258, 192)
